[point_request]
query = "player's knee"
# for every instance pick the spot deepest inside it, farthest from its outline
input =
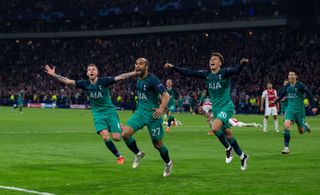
(157, 144)
(127, 132)
(116, 137)
(104, 135)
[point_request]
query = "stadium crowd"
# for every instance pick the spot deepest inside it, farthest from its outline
(71, 15)
(272, 52)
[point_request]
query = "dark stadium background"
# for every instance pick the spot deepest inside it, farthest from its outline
(275, 35)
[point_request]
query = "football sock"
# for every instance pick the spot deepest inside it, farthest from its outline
(132, 145)
(164, 154)
(112, 147)
(222, 138)
(265, 124)
(276, 125)
(169, 121)
(233, 142)
(286, 137)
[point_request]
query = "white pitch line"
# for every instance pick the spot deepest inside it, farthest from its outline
(25, 190)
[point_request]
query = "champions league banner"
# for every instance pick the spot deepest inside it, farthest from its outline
(140, 9)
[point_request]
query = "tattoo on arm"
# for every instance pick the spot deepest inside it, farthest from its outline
(61, 78)
(123, 76)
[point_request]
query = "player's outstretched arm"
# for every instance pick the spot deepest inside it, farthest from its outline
(125, 76)
(282, 94)
(236, 69)
(52, 72)
(165, 97)
(202, 74)
(311, 99)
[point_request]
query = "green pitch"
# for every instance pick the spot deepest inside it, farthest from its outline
(57, 151)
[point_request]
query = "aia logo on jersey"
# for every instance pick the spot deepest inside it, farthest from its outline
(215, 85)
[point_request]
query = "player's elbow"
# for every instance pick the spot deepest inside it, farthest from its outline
(166, 95)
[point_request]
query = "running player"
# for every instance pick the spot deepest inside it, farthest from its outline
(148, 114)
(294, 92)
(284, 101)
(174, 95)
(268, 96)
(19, 102)
(218, 85)
(106, 120)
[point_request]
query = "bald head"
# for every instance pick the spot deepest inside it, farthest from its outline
(141, 66)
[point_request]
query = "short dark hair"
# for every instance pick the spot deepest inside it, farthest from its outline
(295, 71)
(91, 64)
(219, 55)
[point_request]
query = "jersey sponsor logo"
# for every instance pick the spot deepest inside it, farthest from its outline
(292, 95)
(142, 96)
(96, 95)
(215, 86)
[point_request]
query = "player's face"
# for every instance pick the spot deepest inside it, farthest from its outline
(292, 77)
(141, 67)
(269, 86)
(215, 63)
(169, 83)
(92, 72)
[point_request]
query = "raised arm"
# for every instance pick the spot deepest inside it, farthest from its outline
(282, 94)
(235, 69)
(202, 74)
(311, 98)
(52, 72)
(125, 76)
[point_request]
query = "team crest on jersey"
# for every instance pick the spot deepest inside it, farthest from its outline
(100, 87)
(219, 76)
(144, 87)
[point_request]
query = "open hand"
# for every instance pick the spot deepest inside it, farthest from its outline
(244, 61)
(49, 70)
(157, 113)
(168, 66)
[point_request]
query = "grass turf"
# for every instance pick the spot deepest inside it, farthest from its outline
(58, 151)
